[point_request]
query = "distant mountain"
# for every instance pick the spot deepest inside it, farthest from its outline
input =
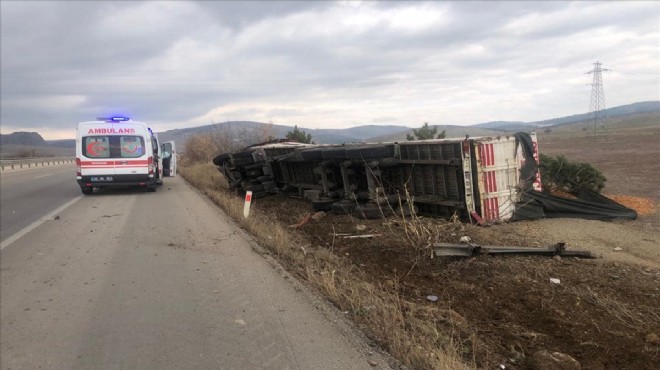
(246, 128)
(622, 110)
(506, 126)
(367, 133)
(23, 138)
(376, 133)
(65, 143)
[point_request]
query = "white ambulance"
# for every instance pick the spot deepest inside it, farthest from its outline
(117, 151)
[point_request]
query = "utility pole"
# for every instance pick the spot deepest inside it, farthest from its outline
(597, 106)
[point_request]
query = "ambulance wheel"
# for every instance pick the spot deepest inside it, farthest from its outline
(151, 188)
(87, 191)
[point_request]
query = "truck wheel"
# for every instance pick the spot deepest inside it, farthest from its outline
(221, 159)
(344, 207)
(255, 188)
(87, 191)
(254, 173)
(323, 205)
(151, 188)
(372, 212)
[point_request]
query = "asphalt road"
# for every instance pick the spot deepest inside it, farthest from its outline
(132, 280)
(30, 194)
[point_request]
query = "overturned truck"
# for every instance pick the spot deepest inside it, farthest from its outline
(479, 179)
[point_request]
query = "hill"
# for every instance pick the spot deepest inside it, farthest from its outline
(23, 138)
(246, 129)
(628, 115)
(622, 110)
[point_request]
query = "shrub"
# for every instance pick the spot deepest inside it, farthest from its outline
(200, 148)
(558, 173)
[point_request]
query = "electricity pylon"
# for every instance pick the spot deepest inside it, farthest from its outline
(597, 106)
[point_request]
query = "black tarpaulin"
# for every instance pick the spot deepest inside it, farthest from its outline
(535, 204)
(588, 205)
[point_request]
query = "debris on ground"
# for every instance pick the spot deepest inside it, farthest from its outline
(469, 250)
(318, 215)
(643, 206)
(546, 360)
(304, 221)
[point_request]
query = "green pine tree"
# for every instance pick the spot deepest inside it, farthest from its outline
(425, 133)
(299, 136)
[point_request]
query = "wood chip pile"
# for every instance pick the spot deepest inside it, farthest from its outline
(643, 206)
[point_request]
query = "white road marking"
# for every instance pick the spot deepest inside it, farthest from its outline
(46, 175)
(34, 225)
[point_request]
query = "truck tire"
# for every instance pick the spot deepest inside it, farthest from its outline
(238, 162)
(254, 173)
(259, 194)
(151, 188)
(87, 191)
(221, 159)
(324, 205)
(344, 207)
(255, 188)
(269, 186)
(372, 212)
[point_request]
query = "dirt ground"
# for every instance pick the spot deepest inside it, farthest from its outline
(627, 157)
(604, 312)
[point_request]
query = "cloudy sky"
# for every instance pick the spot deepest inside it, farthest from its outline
(318, 64)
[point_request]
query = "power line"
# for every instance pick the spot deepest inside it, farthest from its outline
(597, 105)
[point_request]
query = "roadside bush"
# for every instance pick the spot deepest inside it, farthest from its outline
(558, 173)
(200, 148)
(26, 153)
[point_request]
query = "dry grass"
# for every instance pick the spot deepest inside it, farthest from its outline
(420, 336)
(636, 318)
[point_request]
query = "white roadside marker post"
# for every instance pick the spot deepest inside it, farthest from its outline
(246, 207)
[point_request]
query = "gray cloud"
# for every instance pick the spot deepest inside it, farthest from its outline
(318, 64)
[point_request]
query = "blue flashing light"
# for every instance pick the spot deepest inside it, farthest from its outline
(114, 119)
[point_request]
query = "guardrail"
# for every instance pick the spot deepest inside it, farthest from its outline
(14, 163)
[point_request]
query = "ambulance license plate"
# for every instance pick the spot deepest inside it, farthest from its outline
(101, 178)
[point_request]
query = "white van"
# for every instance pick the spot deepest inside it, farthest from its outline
(117, 151)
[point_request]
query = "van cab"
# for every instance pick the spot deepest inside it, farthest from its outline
(117, 151)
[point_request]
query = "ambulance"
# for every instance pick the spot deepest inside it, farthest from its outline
(116, 152)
